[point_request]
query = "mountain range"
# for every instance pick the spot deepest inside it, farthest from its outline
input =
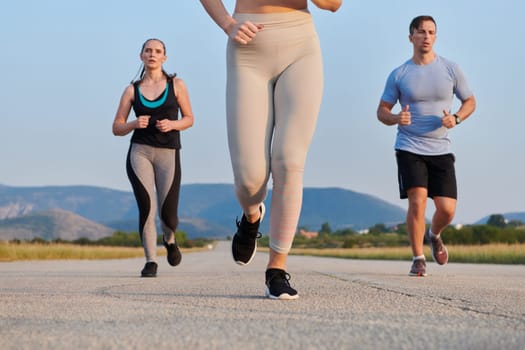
(205, 210)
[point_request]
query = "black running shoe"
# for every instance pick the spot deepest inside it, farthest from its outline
(244, 244)
(173, 253)
(149, 270)
(278, 285)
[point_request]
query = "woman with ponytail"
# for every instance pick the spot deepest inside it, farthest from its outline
(153, 161)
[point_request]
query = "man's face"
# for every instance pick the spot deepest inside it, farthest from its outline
(423, 38)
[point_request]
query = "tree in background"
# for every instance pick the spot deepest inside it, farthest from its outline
(325, 228)
(497, 220)
(378, 229)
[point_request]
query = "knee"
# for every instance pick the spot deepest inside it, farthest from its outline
(417, 207)
(287, 162)
(252, 184)
(446, 213)
(286, 171)
(250, 195)
(445, 209)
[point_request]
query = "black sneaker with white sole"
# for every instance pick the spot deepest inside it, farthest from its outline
(244, 243)
(278, 285)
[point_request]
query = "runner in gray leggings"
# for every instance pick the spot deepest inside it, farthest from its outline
(153, 161)
(274, 91)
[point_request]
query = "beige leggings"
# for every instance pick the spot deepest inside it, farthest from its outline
(274, 91)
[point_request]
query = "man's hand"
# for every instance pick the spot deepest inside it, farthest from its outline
(448, 120)
(404, 117)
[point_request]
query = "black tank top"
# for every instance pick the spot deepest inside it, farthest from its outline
(163, 107)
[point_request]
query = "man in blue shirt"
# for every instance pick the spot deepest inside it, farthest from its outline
(425, 86)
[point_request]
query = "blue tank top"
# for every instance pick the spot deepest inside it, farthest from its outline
(163, 107)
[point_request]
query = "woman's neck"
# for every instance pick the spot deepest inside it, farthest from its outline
(154, 77)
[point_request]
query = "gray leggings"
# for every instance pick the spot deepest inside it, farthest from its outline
(149, 169)
(274, 91)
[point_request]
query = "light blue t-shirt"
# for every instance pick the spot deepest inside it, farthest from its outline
(428, 90)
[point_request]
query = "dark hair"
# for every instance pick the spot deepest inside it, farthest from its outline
(416, 22)
(153, 39)
(142, 68)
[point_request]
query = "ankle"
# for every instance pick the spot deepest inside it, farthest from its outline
(169, 241)
(255, 218)
(252, 219)
(432, 234)
(274, 268)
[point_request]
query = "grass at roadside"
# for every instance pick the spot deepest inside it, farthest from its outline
(481, 254)
(59, 251)
(487, 254)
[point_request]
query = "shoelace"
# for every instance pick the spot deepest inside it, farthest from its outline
(281, 276)
(437, 243)
(249, 233)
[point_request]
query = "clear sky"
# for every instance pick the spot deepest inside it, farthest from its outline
(65, 65)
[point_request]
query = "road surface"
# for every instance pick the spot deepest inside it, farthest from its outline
(208, 302)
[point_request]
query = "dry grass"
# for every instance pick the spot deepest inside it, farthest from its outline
(487, 254)
(58, 251)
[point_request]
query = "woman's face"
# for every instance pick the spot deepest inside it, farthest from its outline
(153, 55)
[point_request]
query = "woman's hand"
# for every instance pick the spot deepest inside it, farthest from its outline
(242, 33)
(142, 122)
(164, 125)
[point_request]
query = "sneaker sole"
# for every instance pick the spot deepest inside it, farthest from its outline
(411, 274)
(242, 263)
(148, 275)
(284, 296)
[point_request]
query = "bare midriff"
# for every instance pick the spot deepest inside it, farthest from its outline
(268, 6)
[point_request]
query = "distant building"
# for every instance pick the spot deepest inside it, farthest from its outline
(308, 234)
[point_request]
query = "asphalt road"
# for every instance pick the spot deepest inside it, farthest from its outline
(208, 302)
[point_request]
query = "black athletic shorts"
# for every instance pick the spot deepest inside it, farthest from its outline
(435, 173)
